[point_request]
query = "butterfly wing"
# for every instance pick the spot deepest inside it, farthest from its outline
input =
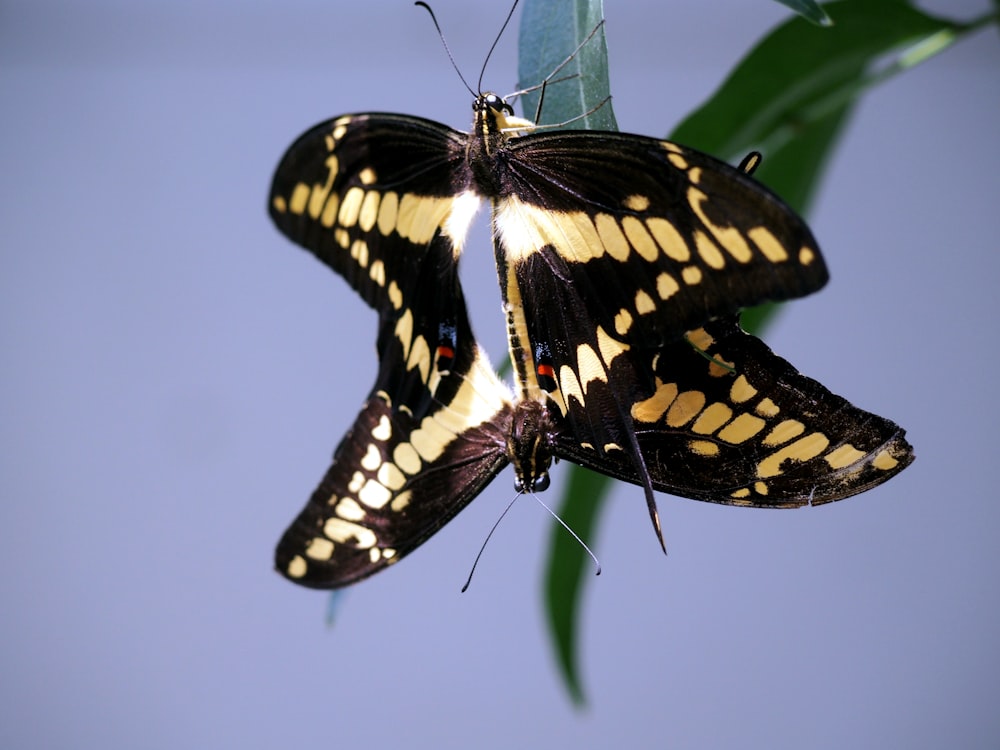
(728, 421)
(431, 435)
(366, 194)
(375, 198)
(657, 238)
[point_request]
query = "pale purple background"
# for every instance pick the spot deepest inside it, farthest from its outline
(175, 376)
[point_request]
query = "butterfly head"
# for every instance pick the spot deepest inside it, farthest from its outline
(529, 446)
(495, 117)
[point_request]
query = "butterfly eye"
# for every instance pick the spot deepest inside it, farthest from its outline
(541, 483)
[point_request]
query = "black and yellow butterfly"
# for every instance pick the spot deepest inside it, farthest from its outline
(623, 262)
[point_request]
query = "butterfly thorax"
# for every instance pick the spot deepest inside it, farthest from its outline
(529, 445)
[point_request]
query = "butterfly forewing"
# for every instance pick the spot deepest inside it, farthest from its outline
(366, 193)
(656, 238)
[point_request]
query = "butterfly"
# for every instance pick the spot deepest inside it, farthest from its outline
(623, 263)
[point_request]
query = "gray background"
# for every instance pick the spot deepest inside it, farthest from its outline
(175, 375)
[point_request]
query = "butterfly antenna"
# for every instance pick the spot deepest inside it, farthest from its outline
(487, 541)
(597, 563)
(447, 49)
(510, 14)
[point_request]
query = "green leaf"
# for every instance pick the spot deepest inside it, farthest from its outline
(809, 10)
(793, 113)
(551, 32)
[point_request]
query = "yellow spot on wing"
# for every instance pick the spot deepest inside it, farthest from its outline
(299, 199)
(806, 256)
(623, 321)
(700, 339)
(692, 275)
(712, 418)
(280, 204)
(374, 495)
(357, 482)
(343, 531)
(569, 384)
(585, 242)
(677, 160)
(636, 203)
(784, 431)
(407, 458)
(805, 448)
(612, 237)
(431, 439)
(359, 251)
(589, 365)
(704, 447)
(372, 458)
(685, 407)
(744, 427)
(640, 239)
(401, 500)
(767, 408)
(383, 430)
(741, 390)
(330, 210)
(369, 210)
(350, 207)
(773, 250)
(429, 215)
(669, 239)
(297, 567)
(609, 347)
(387, 212)
(404, 331)
(350, 509)
(708, 251)
(644, 303)
(666, 286)
(843, 456)
(885, 461)
(420, 357)
(651, 409)
(390, 475)
(319, 549)
(377, 272)
(395, 296)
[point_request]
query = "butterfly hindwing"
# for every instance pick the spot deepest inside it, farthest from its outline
(731, 422)
(430, 436)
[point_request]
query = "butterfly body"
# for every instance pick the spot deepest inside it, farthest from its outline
(623, 262)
